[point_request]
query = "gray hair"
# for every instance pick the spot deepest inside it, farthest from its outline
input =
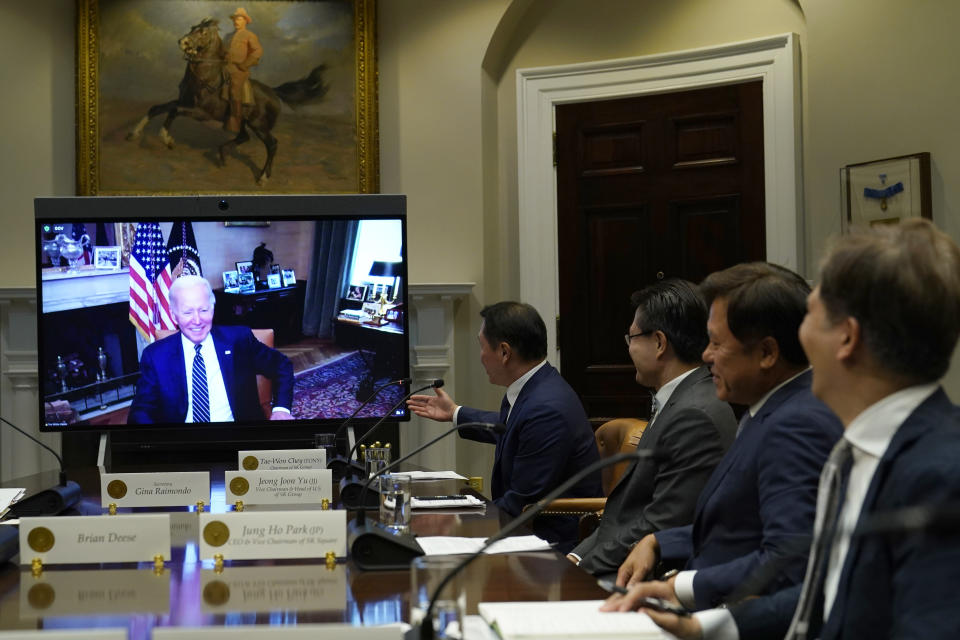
(188, 281)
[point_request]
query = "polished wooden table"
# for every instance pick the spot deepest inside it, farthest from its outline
(190, 592)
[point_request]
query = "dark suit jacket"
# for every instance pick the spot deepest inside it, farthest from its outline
(548, 439)
(691, 434)
(760, 501)
(162, 390)
(891, 586)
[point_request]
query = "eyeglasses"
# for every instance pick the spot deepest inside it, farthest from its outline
(627, 337)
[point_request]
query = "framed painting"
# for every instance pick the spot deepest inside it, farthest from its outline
(886, 191)
(202, 96)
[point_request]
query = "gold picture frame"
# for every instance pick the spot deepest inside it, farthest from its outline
(886, 191)
(328, 146)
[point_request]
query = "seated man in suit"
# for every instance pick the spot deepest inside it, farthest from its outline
(690, 428)
(880, 330)
(548, 437)
(207, 373)
(759, 503)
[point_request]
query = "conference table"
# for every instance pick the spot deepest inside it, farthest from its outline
(190, 592)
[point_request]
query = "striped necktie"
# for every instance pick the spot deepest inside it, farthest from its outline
(833, 481)
(201, 396)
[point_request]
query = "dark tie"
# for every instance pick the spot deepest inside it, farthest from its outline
(833, 480)
(744, 419)
(201, 397)
(504, 410)
(654, 410)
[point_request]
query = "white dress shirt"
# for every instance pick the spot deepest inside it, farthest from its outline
(219, 402)
(662, 397)
(513, 391)
(869, 434)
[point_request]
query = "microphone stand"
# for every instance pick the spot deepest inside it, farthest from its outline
(436, 384)
(372, 546)
(426, 626)
(357, 467)
(338, 464)
(51, 501)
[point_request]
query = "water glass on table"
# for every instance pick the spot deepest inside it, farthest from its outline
(375, 459)
(426, 573)
(396, 504)
(328, 443)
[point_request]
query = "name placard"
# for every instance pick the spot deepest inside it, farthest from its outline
(334, 631)
(302, 486)
(66, 593)
(155, 489)
(249, 589)
(275, 459)
(184, 528)
(87, 539)
(274, 534)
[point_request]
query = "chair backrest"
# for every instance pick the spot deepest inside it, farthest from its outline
(264, 384)
(616, 436)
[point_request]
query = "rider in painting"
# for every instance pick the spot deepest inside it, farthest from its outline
(243, 51)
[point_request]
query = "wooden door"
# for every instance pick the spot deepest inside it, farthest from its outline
(667, 185)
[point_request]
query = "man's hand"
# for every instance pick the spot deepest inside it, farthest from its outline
(640, 563)
(631, 601)
(439, 407)
(281, 415)
(686, 628)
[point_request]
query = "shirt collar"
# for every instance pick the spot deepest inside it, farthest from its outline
(873, 429)
(513, 391)
(664, 393)
(756, 406)
(205, 344)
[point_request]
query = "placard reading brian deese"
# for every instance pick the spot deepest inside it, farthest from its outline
(277, 534)
(83, 539)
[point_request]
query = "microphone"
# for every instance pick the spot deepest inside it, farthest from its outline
(435, 384)
(372, 546)
(426, 625)
(940, 519)
(51, 501)
(340, 465)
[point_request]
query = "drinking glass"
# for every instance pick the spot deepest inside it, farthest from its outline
(395, 502)
(426, 572)
(326, 442)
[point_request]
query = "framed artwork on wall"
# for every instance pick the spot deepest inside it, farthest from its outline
(886, 191)
(306, 95)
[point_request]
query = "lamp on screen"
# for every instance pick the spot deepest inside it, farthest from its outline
(384, 269)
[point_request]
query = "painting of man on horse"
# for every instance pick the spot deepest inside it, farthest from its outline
(294, 119)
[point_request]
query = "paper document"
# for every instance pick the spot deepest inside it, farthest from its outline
(452, 545)
(445, 502)
(434, 475)
(8, 497)
(566, 619)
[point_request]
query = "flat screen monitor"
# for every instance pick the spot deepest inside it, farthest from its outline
(296, 306)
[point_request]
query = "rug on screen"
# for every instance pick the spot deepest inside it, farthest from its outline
(329, 391)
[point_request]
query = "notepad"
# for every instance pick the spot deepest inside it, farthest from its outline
(566, 620)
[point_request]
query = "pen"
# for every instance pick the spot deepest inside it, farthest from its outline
(611, 586)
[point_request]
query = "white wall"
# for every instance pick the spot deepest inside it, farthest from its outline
(878, 80)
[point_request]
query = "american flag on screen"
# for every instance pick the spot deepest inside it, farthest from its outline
(150, 282)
